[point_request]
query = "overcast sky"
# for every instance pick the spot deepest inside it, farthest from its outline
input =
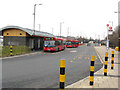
(84, 17)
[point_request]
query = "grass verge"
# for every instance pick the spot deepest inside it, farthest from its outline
(17, 50)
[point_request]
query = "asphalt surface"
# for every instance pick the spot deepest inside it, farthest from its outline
(41, 70)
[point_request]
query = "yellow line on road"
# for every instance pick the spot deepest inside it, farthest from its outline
(74, 61)
(99, 56)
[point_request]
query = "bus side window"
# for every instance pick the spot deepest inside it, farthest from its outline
(59, 42)
(56, 43)
(63, 42)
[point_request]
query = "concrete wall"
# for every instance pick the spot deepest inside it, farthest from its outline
(14, 40)
(35, 43)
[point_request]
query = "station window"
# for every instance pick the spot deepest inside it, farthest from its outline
(20, 33)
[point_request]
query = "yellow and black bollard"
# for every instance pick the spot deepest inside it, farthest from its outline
(112, 60)
(105, 64)
(11, 50)
(92, 70)
(62, 75)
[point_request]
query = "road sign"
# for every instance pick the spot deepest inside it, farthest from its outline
(110, 31)
(110, 28)
(107, 25)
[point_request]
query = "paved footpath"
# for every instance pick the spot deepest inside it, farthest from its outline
(101, 81)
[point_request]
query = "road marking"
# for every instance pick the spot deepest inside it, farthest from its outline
(75, 61)
(73, 51)
(99, 56)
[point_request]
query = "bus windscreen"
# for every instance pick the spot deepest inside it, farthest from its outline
(49, 43)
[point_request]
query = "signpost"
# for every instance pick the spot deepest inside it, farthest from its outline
(110, 31)
(107, 37)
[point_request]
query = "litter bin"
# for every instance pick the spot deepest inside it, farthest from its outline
(117, 48)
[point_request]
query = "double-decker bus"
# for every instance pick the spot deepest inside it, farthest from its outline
(72, 43)
(54, 44)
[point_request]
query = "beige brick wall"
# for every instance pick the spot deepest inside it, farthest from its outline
(14, 32)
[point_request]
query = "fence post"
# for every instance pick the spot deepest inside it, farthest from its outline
(112, 60)
(62, 75)
(105, 64)
(92, 70)
(11, 50)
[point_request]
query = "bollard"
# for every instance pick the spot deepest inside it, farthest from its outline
(92, 70)
(105, 64)
(112, 60)
(11, 51)
(62, 75)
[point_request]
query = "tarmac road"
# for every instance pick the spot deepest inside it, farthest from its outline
(41, 70)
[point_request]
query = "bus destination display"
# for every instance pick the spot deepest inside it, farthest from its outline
(49, 38)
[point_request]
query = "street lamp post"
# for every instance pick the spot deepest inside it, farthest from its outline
(118, 24)
(61, 28)
(34, 16)
(107, 37)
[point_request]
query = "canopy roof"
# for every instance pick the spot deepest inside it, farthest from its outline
(29, 31)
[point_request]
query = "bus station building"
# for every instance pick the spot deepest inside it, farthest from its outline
(18, 36)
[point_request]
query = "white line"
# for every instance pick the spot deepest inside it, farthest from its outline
(73, 51)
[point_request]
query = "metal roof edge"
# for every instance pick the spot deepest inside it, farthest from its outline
(29, 31)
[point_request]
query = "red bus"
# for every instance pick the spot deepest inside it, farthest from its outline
(54, 44)
(72, 43)
(77, 43)
(63, 44)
